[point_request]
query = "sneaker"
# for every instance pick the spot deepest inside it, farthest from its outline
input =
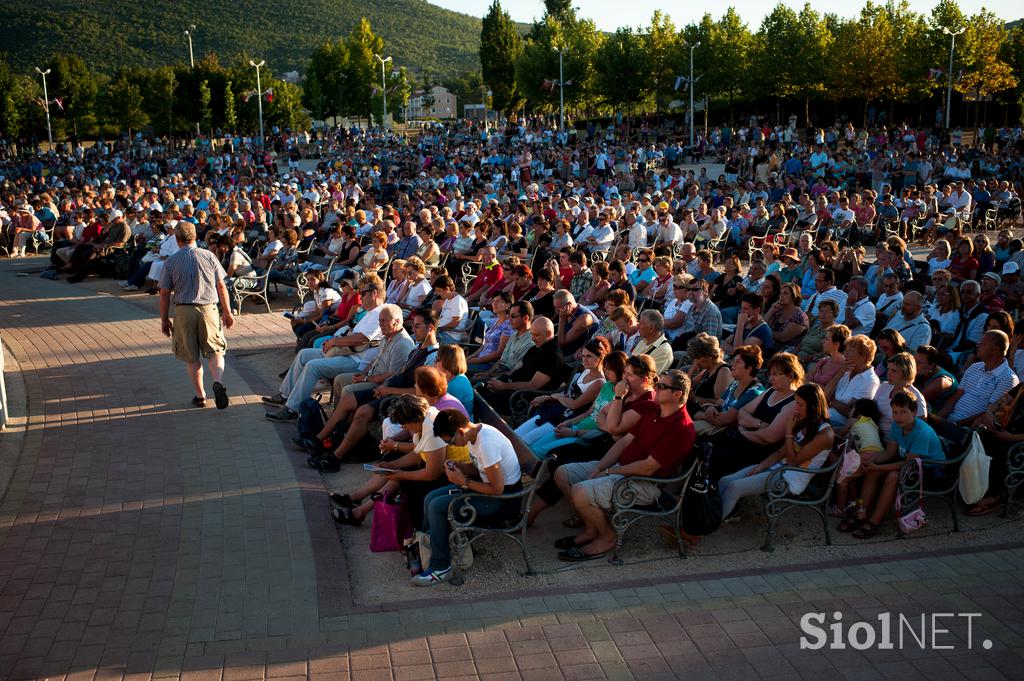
(276, 398)
(122, 282)
(282, 414)
(327, 463)
(130, 287)
(430, 578)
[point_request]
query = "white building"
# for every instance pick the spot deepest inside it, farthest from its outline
(437, 102)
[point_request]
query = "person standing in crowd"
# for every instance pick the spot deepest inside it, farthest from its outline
(193, 280)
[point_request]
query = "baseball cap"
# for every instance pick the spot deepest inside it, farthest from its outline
(993, 276)
(1011, 268)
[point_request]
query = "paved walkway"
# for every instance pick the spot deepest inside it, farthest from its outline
(144, 539)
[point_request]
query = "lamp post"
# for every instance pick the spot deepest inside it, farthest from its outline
(692, 84)
(259, 95)
(383, 85)
(46, 106)
(191, 57)
(949, 81)
(561, 90)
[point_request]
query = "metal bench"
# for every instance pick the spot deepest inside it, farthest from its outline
(626, 512)
(816, 495)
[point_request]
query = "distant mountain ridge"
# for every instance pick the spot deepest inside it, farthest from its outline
(115, 33)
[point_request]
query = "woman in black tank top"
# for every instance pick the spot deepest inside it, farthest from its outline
(761, 423)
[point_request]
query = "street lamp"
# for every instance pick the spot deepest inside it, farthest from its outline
(259, 95)
(46, 106)
(561, 90)
(383, 85)
(692, 84)
(191, 57)
(949, 82)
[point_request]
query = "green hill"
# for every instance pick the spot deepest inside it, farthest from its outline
(126, 32)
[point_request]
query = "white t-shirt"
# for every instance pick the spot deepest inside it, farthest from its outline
(417, 293)
(426, 441)
(883, 398)
(452, 308)
(862, 386)
(492, 447)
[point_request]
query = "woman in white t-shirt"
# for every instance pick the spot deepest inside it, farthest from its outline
(859, 381)
(901, 372)
(493, 471)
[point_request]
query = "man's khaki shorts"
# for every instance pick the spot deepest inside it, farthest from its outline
(599, 489)
(197, 332)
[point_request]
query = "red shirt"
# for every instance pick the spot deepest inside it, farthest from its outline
(346, 304)
(567, 274)
(669, 439)
(92, 232)
(961, 268)
(487, 277)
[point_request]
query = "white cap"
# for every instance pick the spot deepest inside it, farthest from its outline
(1011, 268)
(116, 215)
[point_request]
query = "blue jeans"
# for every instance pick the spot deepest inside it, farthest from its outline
(435, 514)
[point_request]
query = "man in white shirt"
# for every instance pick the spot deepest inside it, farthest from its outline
(983, 383)
(601, 237)
(891, 298)
(860, 311)
(843, 217)
(824, 283)
(637, 230)
(668, 231)
(911, 323)
(358, 349)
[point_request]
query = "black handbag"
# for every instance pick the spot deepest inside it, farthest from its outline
(702, 506)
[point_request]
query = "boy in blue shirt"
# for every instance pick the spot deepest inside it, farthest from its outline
(909, 437)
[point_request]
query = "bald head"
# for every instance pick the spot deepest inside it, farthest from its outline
(542, 330)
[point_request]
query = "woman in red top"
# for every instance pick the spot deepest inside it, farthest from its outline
(964, 265)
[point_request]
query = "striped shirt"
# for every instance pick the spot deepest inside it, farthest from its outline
(193, 275)
(981, 389)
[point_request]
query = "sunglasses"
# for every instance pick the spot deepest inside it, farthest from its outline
(643, 260)
(666, 386)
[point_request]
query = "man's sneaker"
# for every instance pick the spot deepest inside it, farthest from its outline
(327, 463)
(282, 414)
(276, 398)
(122, 282)
(130, 287)
(49, 274)
(430, 578)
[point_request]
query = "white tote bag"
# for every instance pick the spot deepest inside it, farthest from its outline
(973, 480)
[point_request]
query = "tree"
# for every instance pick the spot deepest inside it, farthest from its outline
(71, 81)
(789, 54)
(579, 41)
(500, 47)
(123, 104)
(984, 71)
(285, 107)
(559, 9)
(362, 69)
(230, 119)
(623, 67)
(663, 45)
(727, 54)
(324, 87)
(205, 112)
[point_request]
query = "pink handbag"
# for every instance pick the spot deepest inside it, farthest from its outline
(391, 524)
(914, 520)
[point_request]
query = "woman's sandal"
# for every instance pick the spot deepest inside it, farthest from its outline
(866, 530)
(345, 516)
(198, 401)
(850, 524)
(342, 500)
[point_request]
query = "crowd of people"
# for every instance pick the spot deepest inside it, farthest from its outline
(770, 311)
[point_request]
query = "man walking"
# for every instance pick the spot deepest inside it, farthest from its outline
(195, 280)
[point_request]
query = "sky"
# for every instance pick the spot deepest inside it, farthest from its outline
(608, 14)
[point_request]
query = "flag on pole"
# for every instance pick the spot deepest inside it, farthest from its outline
(248, 95)
(935, 74)
(548, 85)
(680, 82)
(269, 94)
(59, 103)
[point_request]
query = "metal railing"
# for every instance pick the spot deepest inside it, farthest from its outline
(3, 388)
